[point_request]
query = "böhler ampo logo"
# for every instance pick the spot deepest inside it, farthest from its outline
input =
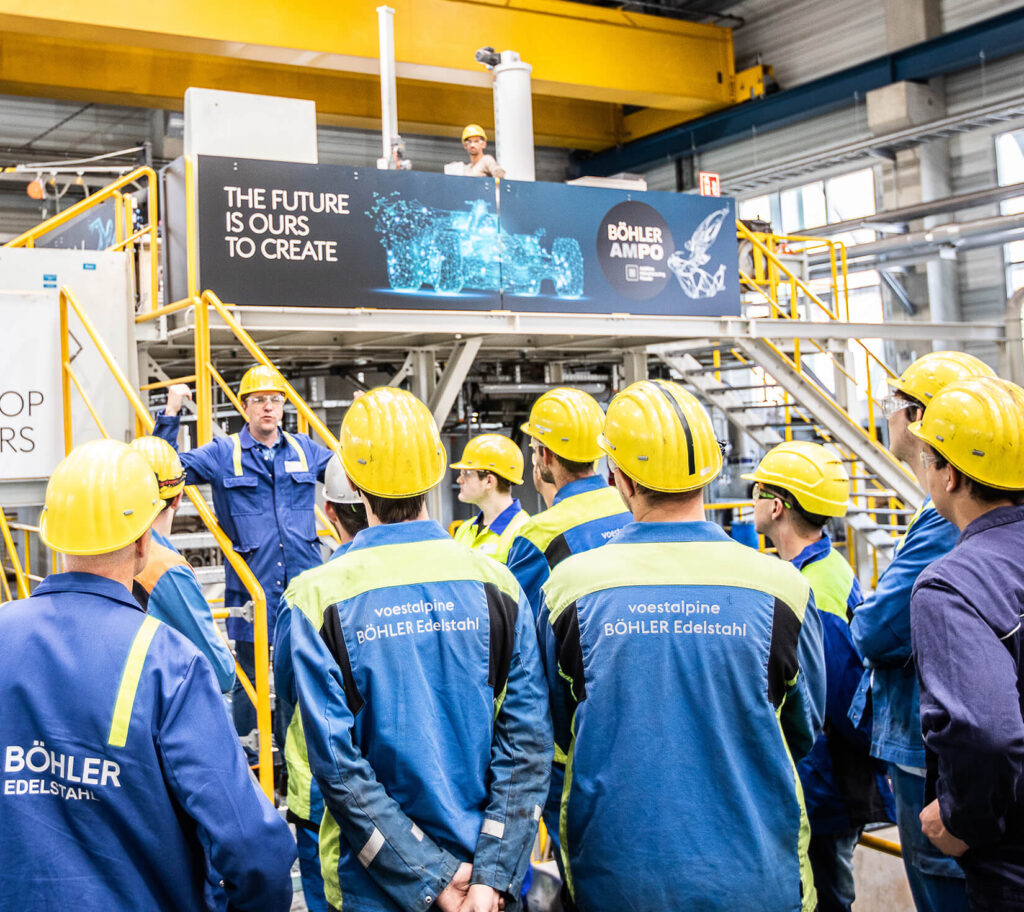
(633, 244)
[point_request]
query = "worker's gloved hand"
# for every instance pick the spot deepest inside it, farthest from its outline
(453, 896)
(481, 898)
(176, 394)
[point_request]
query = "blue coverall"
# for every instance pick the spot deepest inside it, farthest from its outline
(844, 787)
(122, 780)
(584, 514)
(425, 715)
(966, 625)
(264, 499)
(691, 667)
(171, 593)
(881, 633)
(305, 801)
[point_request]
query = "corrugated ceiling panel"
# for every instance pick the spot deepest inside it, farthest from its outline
(805, 39)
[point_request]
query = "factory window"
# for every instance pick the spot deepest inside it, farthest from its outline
(1010, 164)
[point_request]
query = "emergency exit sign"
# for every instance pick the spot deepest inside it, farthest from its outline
(710, 183)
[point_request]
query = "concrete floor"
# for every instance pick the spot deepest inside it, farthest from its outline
(880, 878)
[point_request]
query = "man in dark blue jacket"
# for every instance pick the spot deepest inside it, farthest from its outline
(122, 785)
(966, 623)
(881, 633)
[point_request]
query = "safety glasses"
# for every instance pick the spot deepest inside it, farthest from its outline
(893, 404)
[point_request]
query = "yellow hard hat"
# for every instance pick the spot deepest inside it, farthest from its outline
(261, 379)
(170, 474)
(813, 475)
(389, 444)
(474, 130)
(493, 453)
(977, 425)
(661, 437)
(101, 497)
(567, 421)
(931, 372)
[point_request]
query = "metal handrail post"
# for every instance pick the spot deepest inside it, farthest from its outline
(204, 389)
(65, 371)
(19, 573)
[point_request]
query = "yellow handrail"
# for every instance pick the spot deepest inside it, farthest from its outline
(111, 191)
(21, 581)
(880, 845)
(261, 643)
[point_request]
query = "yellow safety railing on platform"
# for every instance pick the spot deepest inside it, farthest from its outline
(206, 375)
(123, 218)
(782, 290)
(260, 693)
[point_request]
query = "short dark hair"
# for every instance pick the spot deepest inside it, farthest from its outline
(352, 516)
(571, 466)
(663, 497)
(391, 510)
(815, 521)
(503, 485)
(983, 493)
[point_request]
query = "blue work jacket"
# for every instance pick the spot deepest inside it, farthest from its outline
(121, 773)
(692, 670)
(305, 801)
(265, 508)
(169, 591)
(585, 513)
(843, 785)
(966, 625)
(425, 715)
(881, 633)
(493, 540)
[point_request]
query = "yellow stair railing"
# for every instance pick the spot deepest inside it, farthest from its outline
(259, 692)
(123, 209)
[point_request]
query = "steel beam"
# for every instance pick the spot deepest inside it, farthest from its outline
(607, 57)
(455, 371)
(48, 67)
(836, 421)
(983, 42)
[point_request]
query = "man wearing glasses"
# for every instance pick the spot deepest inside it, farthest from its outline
(881, 633)
(264, 489)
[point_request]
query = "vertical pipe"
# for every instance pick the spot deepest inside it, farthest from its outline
(388, 100)
(513, 117)
(65, 366)
(204, 391)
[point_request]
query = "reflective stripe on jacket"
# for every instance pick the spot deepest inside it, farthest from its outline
(169, 591)
(425, 714)
(493, 540)
(585, 513)
(122, 778)
(265, 509)
(693, 669)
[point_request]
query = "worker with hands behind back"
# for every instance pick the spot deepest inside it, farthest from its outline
(881, 633)
(347, 514)
(965, 617)
(688, 678)
(123, 784)
(420, 688)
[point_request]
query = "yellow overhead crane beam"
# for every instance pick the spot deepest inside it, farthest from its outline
(587, 61)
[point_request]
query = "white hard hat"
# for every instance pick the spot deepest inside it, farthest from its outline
(336, 486)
